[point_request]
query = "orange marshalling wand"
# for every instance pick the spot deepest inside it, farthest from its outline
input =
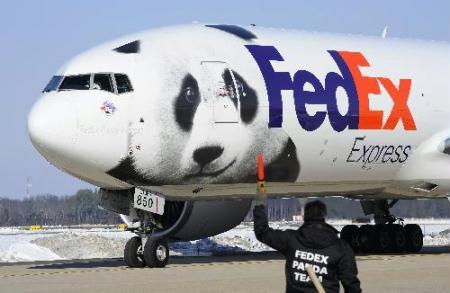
(260, 162)
(261, 185)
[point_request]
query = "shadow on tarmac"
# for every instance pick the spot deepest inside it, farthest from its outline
(174, 260)
(187, 260)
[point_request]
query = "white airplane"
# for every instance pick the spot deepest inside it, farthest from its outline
(169, 122)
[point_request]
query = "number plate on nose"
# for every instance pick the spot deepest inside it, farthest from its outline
(147, 201)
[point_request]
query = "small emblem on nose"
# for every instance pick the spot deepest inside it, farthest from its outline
(108, 107)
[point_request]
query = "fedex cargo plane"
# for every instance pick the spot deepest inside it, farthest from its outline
(169, 122)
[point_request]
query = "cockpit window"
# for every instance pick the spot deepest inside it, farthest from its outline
(103, 82)
(446, 146)
(117, 83)
(53, 84)
(76, 82)
(123, 83)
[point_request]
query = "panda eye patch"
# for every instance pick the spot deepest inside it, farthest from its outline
(186, 102)
(248, 98)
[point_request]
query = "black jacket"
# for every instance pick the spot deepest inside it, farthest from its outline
(313, 243)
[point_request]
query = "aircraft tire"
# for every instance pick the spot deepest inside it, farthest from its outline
(383, 238)
(414, 238)
(398, 238)
(350, 234)
(156, 252)
(133, 253)
(367, 238)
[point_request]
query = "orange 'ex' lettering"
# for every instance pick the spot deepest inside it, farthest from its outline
(373, 119)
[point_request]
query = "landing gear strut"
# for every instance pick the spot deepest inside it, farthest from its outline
(385, 236)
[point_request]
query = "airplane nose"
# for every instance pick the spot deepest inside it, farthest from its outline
(70, 131)
(49, 124)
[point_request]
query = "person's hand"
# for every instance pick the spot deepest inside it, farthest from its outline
(261, 194)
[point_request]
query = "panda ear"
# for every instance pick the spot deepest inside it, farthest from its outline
(248, 99)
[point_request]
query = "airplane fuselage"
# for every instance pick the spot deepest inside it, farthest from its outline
(332, 114)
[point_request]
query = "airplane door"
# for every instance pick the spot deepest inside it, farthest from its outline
(221, 91)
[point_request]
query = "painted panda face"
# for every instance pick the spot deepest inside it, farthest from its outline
(215, 147)
(201, 126)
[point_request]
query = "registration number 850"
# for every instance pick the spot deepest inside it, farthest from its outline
(148, 201)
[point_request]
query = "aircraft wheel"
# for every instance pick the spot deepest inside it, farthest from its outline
(398, 238)
(350, 234)
(383, 239)
(156, 253)
(367, 238)
(414, 238)
(133, 253)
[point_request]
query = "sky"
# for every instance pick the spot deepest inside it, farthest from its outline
(37, 37)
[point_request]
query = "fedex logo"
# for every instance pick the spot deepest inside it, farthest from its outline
(357, 86)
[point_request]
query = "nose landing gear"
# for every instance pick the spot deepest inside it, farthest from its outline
(385, 236)
(146, 248)
(156, 253)
(146, 251)
(133, 253)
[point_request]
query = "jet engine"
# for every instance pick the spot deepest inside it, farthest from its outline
(182, 220)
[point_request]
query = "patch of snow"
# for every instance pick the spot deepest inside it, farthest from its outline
(85, 245)
(99, 242)
(437, 240)
(26, 251)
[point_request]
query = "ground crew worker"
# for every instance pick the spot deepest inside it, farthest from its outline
(316, 244)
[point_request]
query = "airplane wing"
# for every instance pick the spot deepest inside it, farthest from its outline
(427, 174)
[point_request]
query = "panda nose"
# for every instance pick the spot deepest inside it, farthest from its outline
(206, 155)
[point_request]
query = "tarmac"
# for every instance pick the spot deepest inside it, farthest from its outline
(427, 271)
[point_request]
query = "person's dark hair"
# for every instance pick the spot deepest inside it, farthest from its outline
(315, 211)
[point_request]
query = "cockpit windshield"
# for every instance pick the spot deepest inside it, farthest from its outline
(103, 82)
(53, 84)
(76, 82)
(123, 83)
(117, 83)
(446, 148)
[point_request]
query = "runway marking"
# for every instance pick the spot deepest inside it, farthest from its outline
(70, 271)
(392, 257)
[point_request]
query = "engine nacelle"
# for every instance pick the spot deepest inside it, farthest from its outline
(188, 220)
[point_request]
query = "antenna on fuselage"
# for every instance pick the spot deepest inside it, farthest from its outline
(384, 33)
